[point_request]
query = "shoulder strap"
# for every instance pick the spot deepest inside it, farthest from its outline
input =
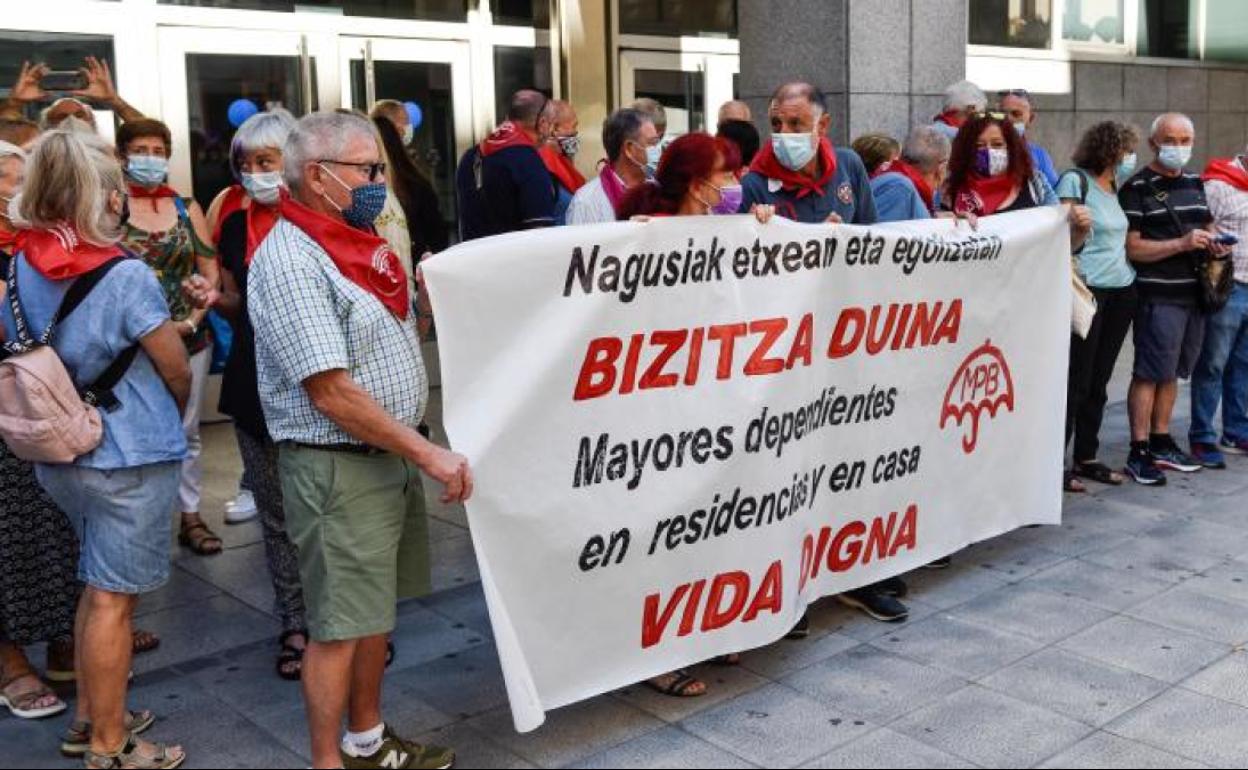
(82, 287)
(99, 393)
(1083, 184)
(1163, 197)
(180, 204)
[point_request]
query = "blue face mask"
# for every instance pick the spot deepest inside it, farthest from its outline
(1126, 168)
(367, 201)
(147, 170)
(654, 153)
(1174, 157)
(794, 151)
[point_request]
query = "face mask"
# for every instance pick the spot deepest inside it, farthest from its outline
(1021, 128)
(265, 187)
(654, 153)
(409, 133)
(1126, 167)
(730, 198)
(992, 162)
(1174, 158)
(367, 201)
(794, 151)
(147, 170)
(569, 145)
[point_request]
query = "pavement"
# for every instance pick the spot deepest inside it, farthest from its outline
(1114, 640)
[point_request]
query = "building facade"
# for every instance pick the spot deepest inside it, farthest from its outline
(883, 63)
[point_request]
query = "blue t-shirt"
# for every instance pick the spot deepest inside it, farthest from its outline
(515, 193)
(896, 199)
(1103, 262)
(1043, 162)
(563, 199)
(124, 307)
(848, 194)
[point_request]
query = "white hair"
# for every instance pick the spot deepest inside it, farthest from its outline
(320, 135)
(69, 178)
(262, 131)
(965, 94)
(1161, 120)
(46, 113)
(926, 148)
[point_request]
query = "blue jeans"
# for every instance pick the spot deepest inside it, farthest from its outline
(1221, 375)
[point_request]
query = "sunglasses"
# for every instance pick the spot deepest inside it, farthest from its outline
(374, 170)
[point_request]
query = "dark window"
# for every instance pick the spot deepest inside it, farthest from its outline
(682, 94)
(517, 68)
(1013, 23)
(523, 13)
(58, 51)
(213, 83)
(1168, 29)
(678, 17)
(439, 10)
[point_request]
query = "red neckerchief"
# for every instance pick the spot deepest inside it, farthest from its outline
(983, 195)
(899, 166)
(233, 201)
(954, 119)
(1228, 170)
(155, 193)
(612, 185)
(363, 258)
(562, 168)
(260, 220)
(505, 136)
(765, 163)
(59, 254)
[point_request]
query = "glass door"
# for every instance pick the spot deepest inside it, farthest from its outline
(690, 86)
(431, 78)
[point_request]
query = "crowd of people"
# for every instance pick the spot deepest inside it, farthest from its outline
(312, 258)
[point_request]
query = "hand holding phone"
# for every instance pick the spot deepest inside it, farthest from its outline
(63, 81)
(1226, 239)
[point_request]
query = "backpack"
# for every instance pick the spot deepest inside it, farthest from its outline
(1083, 302)
(44, 417)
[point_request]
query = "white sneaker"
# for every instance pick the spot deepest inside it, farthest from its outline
(241, 509)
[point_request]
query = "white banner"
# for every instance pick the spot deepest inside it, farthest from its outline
(684, 431)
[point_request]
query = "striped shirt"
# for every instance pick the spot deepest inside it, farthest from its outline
(1143, 199)
(309, 318)
(1230, 215)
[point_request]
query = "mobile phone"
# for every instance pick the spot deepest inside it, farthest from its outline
(63, 80)
(1226, 239)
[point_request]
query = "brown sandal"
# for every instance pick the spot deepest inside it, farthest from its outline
(130, 756)
(201, 540)
(144, 641)
(677, 684)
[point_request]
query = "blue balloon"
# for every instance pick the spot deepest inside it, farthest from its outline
(240, 110)
(414, 114)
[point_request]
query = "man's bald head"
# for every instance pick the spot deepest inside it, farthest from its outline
(734, 110)
(563, 118)
(54, 114)
(527, 107)
(1169, 124)
(798, 108)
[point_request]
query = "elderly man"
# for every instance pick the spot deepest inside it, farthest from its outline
(799, 172)
(1222, 372)
(502, 184)
(658, 115)
(628, 135)
(1018, 106)
(905, 189)
(344, 388)
(1168, 235)
(100, 90)
(962, 100)
(734, 110)
(559, 152)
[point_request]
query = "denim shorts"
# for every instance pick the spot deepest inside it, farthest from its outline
(1168, 339)
(122, 518)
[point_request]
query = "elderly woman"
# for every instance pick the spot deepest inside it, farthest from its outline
(256, 160)
(118, 495)
(170, 234)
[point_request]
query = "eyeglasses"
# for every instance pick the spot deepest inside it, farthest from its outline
(373, 170)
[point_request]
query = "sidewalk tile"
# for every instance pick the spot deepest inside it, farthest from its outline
(887, 749)
(1154, 559)
(1104, 587)
(183, 589)
(788, 655)
(1029, 611)
(1229, 581)
(1190, 725)
(1219, 620)
(570, 734)
(1072, 538)
(723, 683)
(1102, 750)
(1010, 559)
(461, 684)
(964, 648)
(947, 588)
(1146, 648)
(472, 749)
(668, 747)
(421, 635)
(873, 684)
(216, 624)
(1226, 680)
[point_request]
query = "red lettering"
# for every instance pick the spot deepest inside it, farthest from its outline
(629, 379)
(803, 343)
(715, 616)
(906, 312)
(877, 338)
(771, 329)
(691, 609)
(769, 596)
(671, 342)
(597, 376)
(841, 344)
(878, 540)
(951, 325)
(652, 624)
(695, 357)
(727, 335)
(844, 552)
(909, 529)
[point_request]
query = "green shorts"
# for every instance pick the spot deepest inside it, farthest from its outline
(359, 525)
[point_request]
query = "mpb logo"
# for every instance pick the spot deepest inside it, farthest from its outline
(982, 386)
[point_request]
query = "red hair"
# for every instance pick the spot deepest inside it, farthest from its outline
(689, 159)
(966, 149)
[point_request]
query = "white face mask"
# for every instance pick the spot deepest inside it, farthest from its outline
(264, 187)
(1174, 157)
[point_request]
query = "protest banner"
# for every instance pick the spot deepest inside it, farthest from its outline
(685, 430)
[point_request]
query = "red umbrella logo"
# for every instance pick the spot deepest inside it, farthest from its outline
(982, 385)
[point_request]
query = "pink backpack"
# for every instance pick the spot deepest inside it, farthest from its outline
(44, 417)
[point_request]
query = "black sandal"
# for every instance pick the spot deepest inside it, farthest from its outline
(1099, 472)
(1072, 484)
(679, 687)
(290, 654)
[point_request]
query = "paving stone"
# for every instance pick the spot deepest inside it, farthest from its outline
(1105, 509)
(1227, 680)
(776, 727)
(465, 604)
(454, 563)
(473, 749)
(873, 684)
(30, 744)
(1219, 620)
(462, 684)
(1146, 648)
(723, 683)
(248, 682)
(1205, 536)
(1102, 750)
(1093, 693)
(887, 749)
(1229, 581)
(946, 588)
(991, 729)
(1104, 587)
(1190, 725)
(183, 589)
(1009, 558)
(421, 635)
(1072, 538)
(669, 747)
(856, 624)
(1031, 612)
(216, 624)
(569, 734)
(957, 646)
(240, 572)
(788, 655)
(1154, 559)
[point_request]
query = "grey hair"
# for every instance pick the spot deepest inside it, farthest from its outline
(622, 126)
(652, 107)
(926, 148)
(69, 178)
(262, 131)
(965, 94)
(46, 113)
(1163, 119)
(320, 135)
(800, 90)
